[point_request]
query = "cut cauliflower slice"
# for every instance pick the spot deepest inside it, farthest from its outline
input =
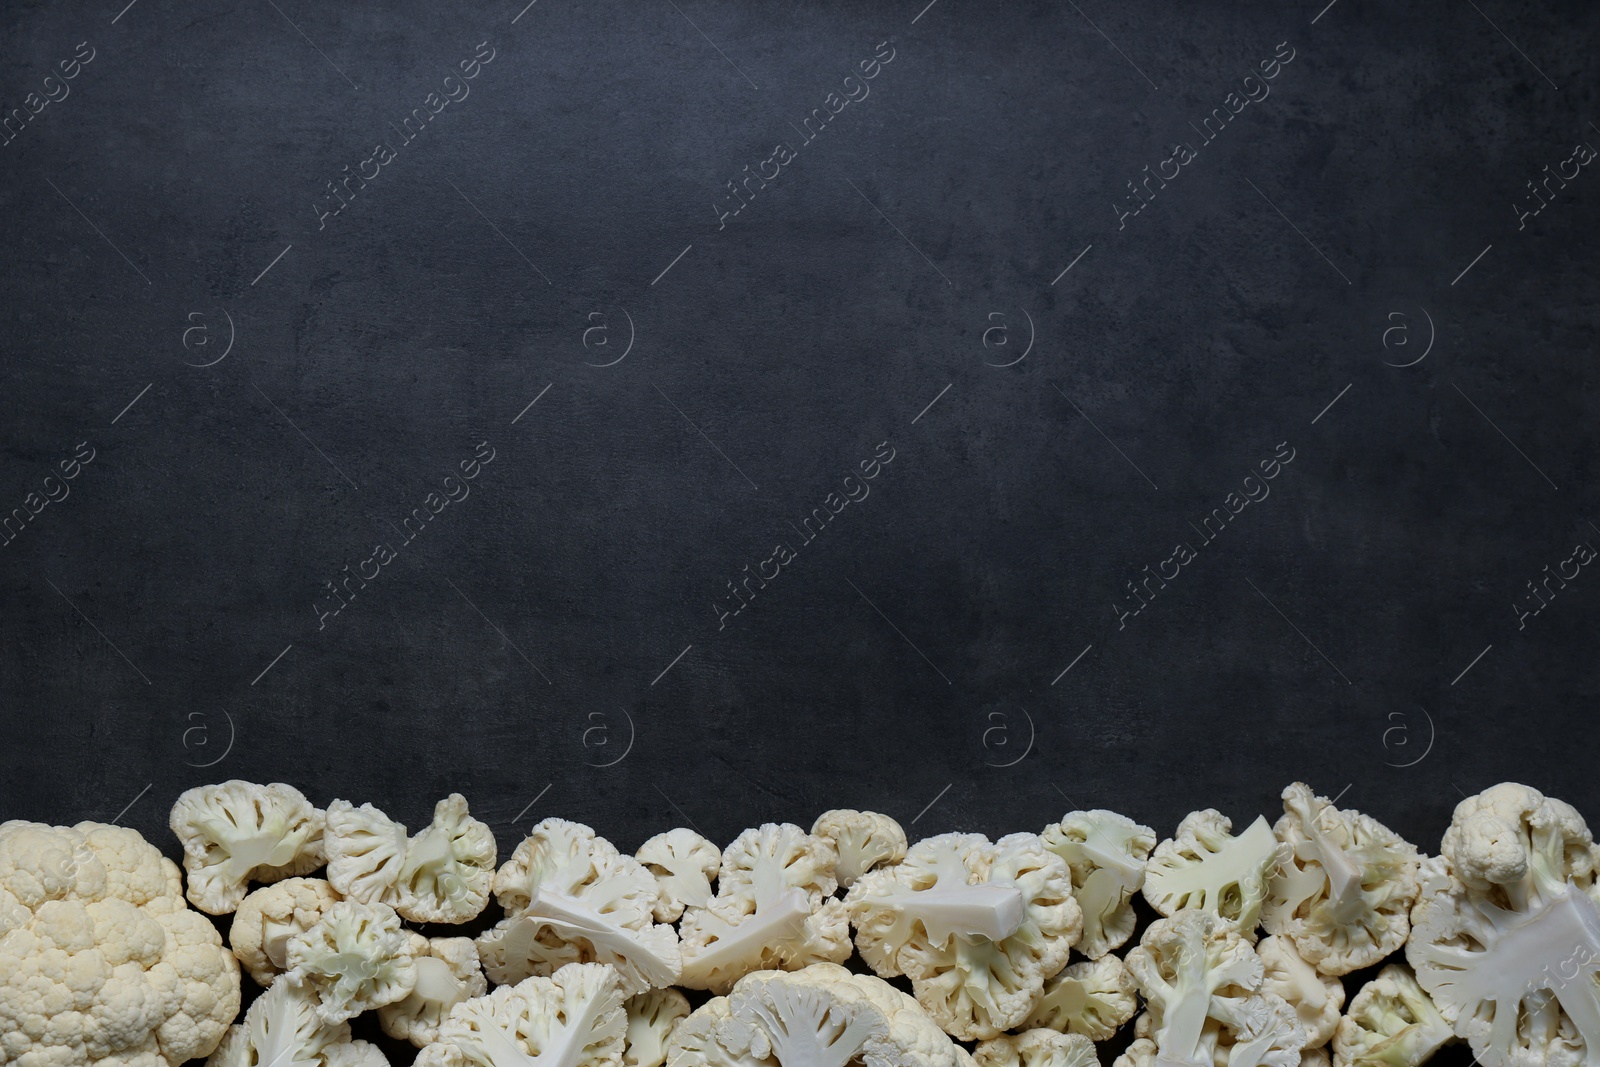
(1315, 998)
(355, 958)
(574, 1018)
(1391, 1023)
(863, 840)
(977, 927)
(1508, 947)
(1093, 998)
(100, 959)
(281, 1029)
(1314, 1057)
(447, 974)
(652, 1017)
(1036, 1048)
(684, 864)
(1348, 884)
(1260, 1031)
(1106, 854)
(1203, 866)
(1195, 972)
(269, 917)
(772, 910)
(366, 850)
(238, 831)
(572, 897)
(448, 868)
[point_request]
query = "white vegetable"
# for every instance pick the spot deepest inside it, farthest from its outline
(238, 831)
(1203, 866)
(863, 840)
(1314, 1057)
(573, 898)
(1196, 972)
(1315, 998)
(365, 851)
(281, 1029)
(1036, 1048)
(652, 1017)
(1106, 854)
(1092, 998)
(355, 958)
(684, 864)
(1261, 1031)
(977, 927)
(268, 917)
(447, 974)
(1391, 1023)
(574, 1018)
(442, 874)
(1344, 893)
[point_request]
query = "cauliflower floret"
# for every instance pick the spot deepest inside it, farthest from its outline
(1036, 1048)
(1344, 893)
(684, 863)
(1203, 866)
(448, 868)
(281, 1029)
(365, 849)
(1196, 972)
(977, 927)
(651, 1019)
(1316, 998)
(355, 958)
(1260, 1031)
(1092, 998)
(1391, 1023)
(100, 959)
(238, 831)
(1508, 946)
(1106, 854)
(1314, 1057)
(862, 839)
(574, 1018)
(772, 910)
(269, 917)
(447, 973)
(572, 897)
(1141, 1053)
(356, 1053)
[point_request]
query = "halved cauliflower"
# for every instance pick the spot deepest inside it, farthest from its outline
(447, 974)
(282, 1029)
(1344, 893)
(239, 831)
(574, 1018)
(442, 874)
(1315, 998)
(1391, 1023)
(1106, 854)
(1204, 866)
(977, 927)
(652, 1017)
(100, 960)
(1093, 998)
(269, 917)
(684, 864)
(355, 958)
(1036, 1048)
(862, 839)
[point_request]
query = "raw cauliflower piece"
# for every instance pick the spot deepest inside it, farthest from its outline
(862, 839)
(1348, 884)
(365, 850)
(684, 864)
(269, 917)
(1204, 866)
(355, 958)
(447, 973)
(1391, 1023)
(571, 897)
(441, 875)
(574, 1018)
(238, 831)
(1315, 998)
(1195, 972)
(1093, 998)
(1036, 1048)
(282, 1029)
(100, 959)
(1508, 945)
(652, 1017)
(1314, 1057)
(1260, 1031)
(977, 927)
(1106, 854)
(773, 909)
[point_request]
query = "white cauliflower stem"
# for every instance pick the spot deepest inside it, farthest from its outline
(1316, 998)
(238, 831)
(281, 1029)
(652, 1017)
(1092, 998)
(1203, 866)
(1196, 972)
(574, 1018)
(1106, 854)
(863, 840)
(684, 864)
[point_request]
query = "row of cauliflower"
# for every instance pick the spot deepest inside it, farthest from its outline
(1500, 935)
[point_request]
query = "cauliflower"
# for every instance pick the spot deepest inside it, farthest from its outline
(355, 958)
(1314, 1057)
(773, 909)
(1316, 998)
(1036, 1048)
(862, 839)
(684, 864)
(447, 973)
(269, 917)
(977, 927)
(1260, 1031)
(282, 1029)
(1391, 1023)
(1202, 866)
(574, 1018)
(1092, 998)
(1196, 972)
(1349, 881)
(100, 959)
(441, 875)
(1508, 945)
(652, 1017)
(365, 849)
(1106, 854)
(237, 831)
(571, 897)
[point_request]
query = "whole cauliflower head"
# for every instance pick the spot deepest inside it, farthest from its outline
(684, 865)
(1391, 1023)
(862, 839)
(238, 831)
(100, 959)
(1204, 866)
(574, 1018)
(976, 925)
(652, 1017)
(269, 917)
(448, 973)
(355, 958)
(1316, 998)
(1093, 998)
(1036, 1048)
(1106, 854)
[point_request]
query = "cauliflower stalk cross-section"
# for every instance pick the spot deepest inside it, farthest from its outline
(863, 840)
(574, 1018)
(442, 874)
(282, 1029)
(1193, 969)
(1092, 998)
(684, 864)
(1204, 866)
(238, 831)
(1316, 998)
(1106, 854)
(652, 1017)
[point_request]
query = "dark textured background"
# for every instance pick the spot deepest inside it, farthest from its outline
(161, 616)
